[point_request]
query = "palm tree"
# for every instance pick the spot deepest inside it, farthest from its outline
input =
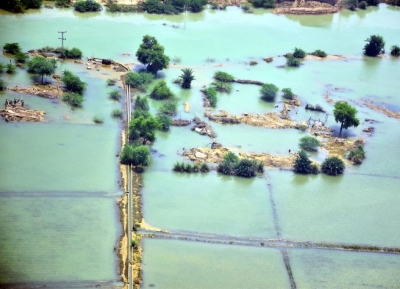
(187, 77)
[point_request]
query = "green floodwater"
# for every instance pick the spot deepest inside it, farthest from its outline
(59, 179)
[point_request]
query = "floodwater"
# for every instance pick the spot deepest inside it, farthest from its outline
(59, 179)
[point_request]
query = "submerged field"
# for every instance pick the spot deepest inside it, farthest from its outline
(59, 180)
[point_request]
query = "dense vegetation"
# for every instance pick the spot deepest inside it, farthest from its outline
(395, 50)
(188, 168)
(299, 53)
(73, 53)
(223, 76)
(135, 154)
(187, 77)
(292, 61)
(332, 166)
(309, 143)
(319, 53)
(87, 6)
(287, 93)
(231, 165)
(143, 128)
(63, 3)
(211, 94)
(3, 84)
(268, 91)
(73, 99)
(139, 80)
(151, 53)
(161, 91)
(72, 82)
(345, 114)
(42, 66)
(12, 48)
(173, 6)
(357, 155)
(19, 6)
(141, 103)
(115, 94)
(263, 3)
(375, 46)
(303, 165)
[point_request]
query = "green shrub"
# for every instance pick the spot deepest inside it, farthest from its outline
(204, 168)
(3, 84)
(165, 121)
(138, 113)
(320, 53)
(357, 155)
(373, 2)
(268, 91)
(362, 5)
(246, 7)
(332, 166)
(227, 166)
(246, 168)
(115, 94)
(72, 82)
(299, 53)
(98, 120)
(287, 93)
(263, 3)
(168, 108)
(21, 57)
(111, 82)
(223, 76)
(12, 48)
(87, 6)
(73, 53)
(137, 155)
(179, 167)
(375, 46)
(188, 168)
(141, 103)
(292, 61)
(63, 3)
(117, 113)
(11, 68)
(211, 94)
(303, 165)
(302, 127)
(161, 91)
(309, 143)
(73, 99)
(222, 86)
(139, 80)
(395, 50)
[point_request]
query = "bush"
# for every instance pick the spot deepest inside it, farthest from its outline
(73, 53)
(222, 86)
(98, 120)
(179, 167)
(138, 113)
(204, 168)
(263, 3)
(12, 48)
(362, 5)
(117, 113)
(11, 68)
(303, 165)
(115, 94)
(299, 53)
(247, 8)
(73, 99)
(309, 143)
(141, 103)
(357, 155)
(137, 155)
(319, 53)
(165, 121)
(395, 50)
(292, 62)
(375, 46)
(139, 80)
(332, 166)
(187, 77)
(161, 91)
(268, 91)
(168, 108)
(21, 57)
(72, 82)
(373, 2)
(3, 84)
(87, 6)
(287, 93)
(211, 94)
(223, 76)
(246, 168)
(63, 3)
(111, 82)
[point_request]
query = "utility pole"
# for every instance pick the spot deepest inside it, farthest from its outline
(62, 42)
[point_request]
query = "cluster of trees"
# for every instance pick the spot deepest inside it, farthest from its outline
(42, 66)
(188, 168)
(354, 4)
(173, 6)
(263, 3)
(331, 165)
(231, 165)
(73, 53)
(63, 3)
(223, 81)
(19, 6)
(87, 6)
(269, 91)
(140, 80)
(151, 54)
(75, 87)
(346, 115)
(376, 45)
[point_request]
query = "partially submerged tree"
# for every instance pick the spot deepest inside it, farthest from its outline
(268, 91)
(161, 91)
(41, 65)
(143, 128)
(73, 99)
(72, 82)
(223, 76)
(395, 50)
(332, 166)
(309, 143)
(139, 80)
(138, 155)
(287, 93)
(292, 61)
(345, 114)
(141, 103)
(12, 48)
(299, 53)
(263, 3)
(375, 46)
(151, 53)
(73, 53)
(87, 6)
(187, 77)
(303, 165)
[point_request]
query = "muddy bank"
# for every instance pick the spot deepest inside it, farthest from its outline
(45, 90)
(15, 111)
(215, 156)
(380, 108)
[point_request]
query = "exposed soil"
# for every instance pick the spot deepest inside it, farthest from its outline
(17, 112)
(372, 105)
(46, 90)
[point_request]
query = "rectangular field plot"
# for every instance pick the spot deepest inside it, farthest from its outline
(178, 264)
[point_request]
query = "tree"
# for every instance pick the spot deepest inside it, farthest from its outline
(169, 108)
(309, 143)
(246, 168)
(143, 128)
(73, 53)
(187, 77)
(87, 5)
(303, 165)
(362, 5)
(12, 48)
(165, 121)
(332, 166)
(161, 91)
(373, 2)
(73, 99)
(115, 94)
(357, 155)
(3, 84)
(223, 76)
(151, 53)
(268, 91)
(21, 57)
(211, 93)
(141, 103)
(11, 68)
(139, 80)
(72, 82)
(345, 114)
(263, 3)
(287, 93)
(375, 46)
(292, 61)
(227, 166)
(395, 50)
(32, 3)
(299, 53)
(41, 65)
(138, 155)
(319, 53)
